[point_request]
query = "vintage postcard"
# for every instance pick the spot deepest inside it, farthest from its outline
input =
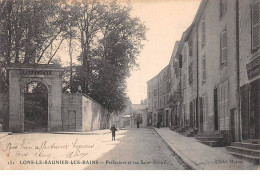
(129, 84)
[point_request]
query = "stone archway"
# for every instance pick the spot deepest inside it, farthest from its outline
(19, 77)
(36, 107)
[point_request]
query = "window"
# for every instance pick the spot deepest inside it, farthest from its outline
(223, 47)
(184, 54)
(190, 73)
(155, 92)
(168, 86)
(222, 7)
(155, 104)
(203, 70)
(223, 106)
(255, 25)
(190, 46)
(149, 95)
(203, 35)
(204, 107)
(184, 80)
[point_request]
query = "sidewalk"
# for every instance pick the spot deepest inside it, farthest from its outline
(202, 157)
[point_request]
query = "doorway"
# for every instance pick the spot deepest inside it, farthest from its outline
(167, 118)
(250, 96)
(35, 107)
(216, 108)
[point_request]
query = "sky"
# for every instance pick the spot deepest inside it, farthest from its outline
(166, 20)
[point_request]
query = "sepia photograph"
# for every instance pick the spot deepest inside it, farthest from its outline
(130, 85)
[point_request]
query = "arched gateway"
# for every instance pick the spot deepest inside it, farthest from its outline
(35, 98)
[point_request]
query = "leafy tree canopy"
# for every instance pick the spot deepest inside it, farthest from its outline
(109, 39)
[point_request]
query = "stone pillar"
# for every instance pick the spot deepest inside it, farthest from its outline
(15, 119)
(55, 121)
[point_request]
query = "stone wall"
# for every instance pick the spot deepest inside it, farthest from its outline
(4, 111)
(94, 116)
(71, 112)
(81, 113)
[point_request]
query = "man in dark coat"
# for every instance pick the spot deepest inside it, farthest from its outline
(137, 123)
(113, 130)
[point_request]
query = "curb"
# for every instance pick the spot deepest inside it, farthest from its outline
(183, 158)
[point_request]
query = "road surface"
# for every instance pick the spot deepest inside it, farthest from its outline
(133, 149)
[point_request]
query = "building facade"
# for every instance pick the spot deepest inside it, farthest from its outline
(214, 71)
(152, 100)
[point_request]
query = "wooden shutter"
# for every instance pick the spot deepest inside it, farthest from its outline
(255, 25)
(203, 30)
(220, 7)
(206, 106)
(190, 47)
(223, 48)
(203, 70)
(244, 92)
(227, 125)
(191, 114)
(185, 54)
(201, 113)
(221, 107)
(223, 7)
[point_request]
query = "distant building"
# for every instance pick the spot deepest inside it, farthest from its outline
(139, 113)
(153, 99)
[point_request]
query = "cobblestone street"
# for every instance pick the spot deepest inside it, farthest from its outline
(133, 149)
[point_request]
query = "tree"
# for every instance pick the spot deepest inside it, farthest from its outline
(31, 31)
(111, 40)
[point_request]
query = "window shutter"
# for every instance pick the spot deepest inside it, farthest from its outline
(190, 47)
(223, 47)
(222, 106)
(203, 39)
(190, 73)
(201, 108)
(219, 99)
(204, 70)
(185, 54)
(220, 7)
(205, 107)
(255, 25)
(226, 107)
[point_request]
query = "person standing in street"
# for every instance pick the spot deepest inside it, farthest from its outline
(137, 123)
(113, 130)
